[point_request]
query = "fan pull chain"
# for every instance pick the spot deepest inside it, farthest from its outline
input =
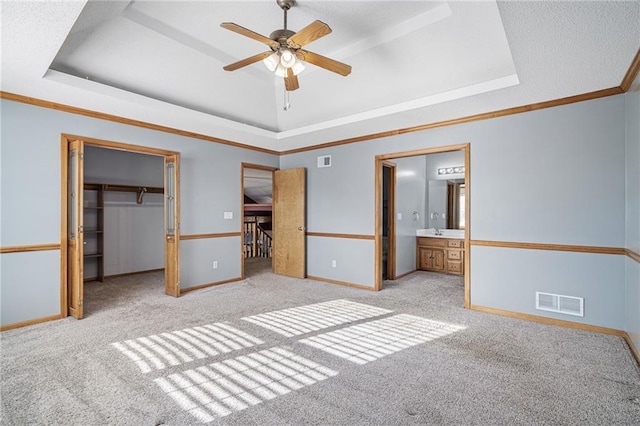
(287, 104)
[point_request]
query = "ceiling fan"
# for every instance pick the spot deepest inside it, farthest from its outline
(286, 55)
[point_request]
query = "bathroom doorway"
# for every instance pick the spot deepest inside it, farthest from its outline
(388, 220)
(421, 211)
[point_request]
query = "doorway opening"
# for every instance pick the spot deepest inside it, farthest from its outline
(288, 219)
(430, 193)
(101, 197)
(388, 220)
(257, 219)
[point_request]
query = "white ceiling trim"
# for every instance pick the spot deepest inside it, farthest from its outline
(114, 92)
(475, 89)
(463, 92)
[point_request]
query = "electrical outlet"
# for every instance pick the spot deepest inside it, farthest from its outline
(215, 264)
(333, 264)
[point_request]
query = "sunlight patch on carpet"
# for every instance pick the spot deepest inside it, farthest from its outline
(160, 351)
(306, 319)
(219, 389)
(370, 341)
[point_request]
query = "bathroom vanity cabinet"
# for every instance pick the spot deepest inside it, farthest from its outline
(440, 255)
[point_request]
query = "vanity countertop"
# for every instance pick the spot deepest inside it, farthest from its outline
(446, 233)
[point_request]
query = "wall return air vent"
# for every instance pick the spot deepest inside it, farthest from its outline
(561, 304)
(324, 161)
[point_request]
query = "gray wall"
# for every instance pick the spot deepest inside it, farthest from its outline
(30, 211)
(410, 197)
(632, 234)
(133, 233)
(549, 176)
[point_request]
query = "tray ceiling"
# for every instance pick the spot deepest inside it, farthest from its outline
(414, 62)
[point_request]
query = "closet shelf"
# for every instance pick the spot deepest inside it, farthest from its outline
(97, 212)
(96, 233)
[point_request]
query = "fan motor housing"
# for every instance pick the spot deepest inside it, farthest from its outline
(285, 4)
(281, 37)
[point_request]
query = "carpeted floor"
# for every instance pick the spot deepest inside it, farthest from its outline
(273, 350)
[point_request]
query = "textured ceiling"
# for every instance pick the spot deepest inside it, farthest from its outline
(414, 62)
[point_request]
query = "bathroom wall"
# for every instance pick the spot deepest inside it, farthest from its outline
(410, 209)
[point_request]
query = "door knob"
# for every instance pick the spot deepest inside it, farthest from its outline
(300, 228)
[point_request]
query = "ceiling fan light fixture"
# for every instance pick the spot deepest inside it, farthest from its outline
(281, 71)
(297, 68)
(287, 58)
(272, 61)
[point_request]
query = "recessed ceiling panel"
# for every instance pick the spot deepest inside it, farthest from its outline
(175, 51)
(413, 62)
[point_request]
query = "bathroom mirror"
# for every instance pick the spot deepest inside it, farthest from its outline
(445, 204)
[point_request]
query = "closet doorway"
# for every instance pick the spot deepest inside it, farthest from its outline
(83, 243)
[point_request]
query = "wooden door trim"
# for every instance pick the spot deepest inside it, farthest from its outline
(64, 260)
(74, 272)
(65, 139)
(378, 163)
(120, 146)
(391, 219)
(258, 167)
(467, 225)
(172, 242)
(244, 166)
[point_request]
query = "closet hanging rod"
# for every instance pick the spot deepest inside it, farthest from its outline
(131, 188)
(138, 190)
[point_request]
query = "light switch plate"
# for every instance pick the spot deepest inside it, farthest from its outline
(228, 215)
(399, 216)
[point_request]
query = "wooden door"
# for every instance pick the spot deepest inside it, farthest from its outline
(172, 225)
(289, 214)
(75, 239)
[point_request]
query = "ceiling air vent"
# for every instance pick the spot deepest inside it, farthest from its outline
(561, 304)
(324, 161)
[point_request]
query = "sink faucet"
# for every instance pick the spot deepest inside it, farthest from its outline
(438, 232)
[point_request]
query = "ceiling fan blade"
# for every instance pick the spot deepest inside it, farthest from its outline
(291, 81)
(247, 61)
(310, 33)
(251, 34)
(324, 62)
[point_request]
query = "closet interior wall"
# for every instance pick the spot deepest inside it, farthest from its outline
(127, 235)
